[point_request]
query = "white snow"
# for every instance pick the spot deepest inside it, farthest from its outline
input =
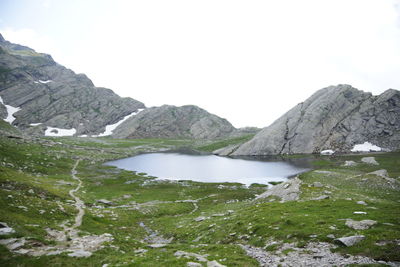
(52, 131)
(327, 152)
(10, 112)
(35, 124)
(110, 128)
(48, 81)
(40, 81)
(366, 147)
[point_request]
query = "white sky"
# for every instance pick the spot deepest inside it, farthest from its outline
(247, 61)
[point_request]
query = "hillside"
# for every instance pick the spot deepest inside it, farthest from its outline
(41, 94)
(175, 122)
(334, 118)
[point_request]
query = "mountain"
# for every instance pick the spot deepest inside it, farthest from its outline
(37, 94)
(334, 118)
(174, 122)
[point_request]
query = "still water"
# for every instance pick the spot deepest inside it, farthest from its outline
(211, 168)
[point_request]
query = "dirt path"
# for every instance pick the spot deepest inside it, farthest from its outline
(79, 204)
(75, 246)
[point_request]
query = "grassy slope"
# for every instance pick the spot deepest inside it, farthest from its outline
(224, 143)
(40, 166)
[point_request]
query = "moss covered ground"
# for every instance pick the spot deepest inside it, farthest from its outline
(204, 218)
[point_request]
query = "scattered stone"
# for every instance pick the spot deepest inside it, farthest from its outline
(349, 241)
(80, 254)
(327, 152)
(382, 173)
(321, 197)
(5, 229)
(349, 198)
(370, 160)
(360, 225)
(316, 254)
(156, 245)
(360, 212)
(284, 192)
(13, 243)
(349, 163)
(193, 264)
(105, 202)
(31, 191)
(317, 184)
(214, 264)
(200, 218)
(127, 196)
(140, 251)
(362, 203)
(331, 236)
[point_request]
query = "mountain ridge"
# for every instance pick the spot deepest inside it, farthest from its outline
(333, 118)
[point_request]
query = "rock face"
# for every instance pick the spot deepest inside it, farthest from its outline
(55, 96)
(337, 118)
(173, 122)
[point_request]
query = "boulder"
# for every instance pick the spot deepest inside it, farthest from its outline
(360, 225)
(370, 160)
(349, 241)
(334, 118)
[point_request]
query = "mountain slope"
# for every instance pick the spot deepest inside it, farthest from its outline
(52, 95)
(337, 118)
(174, 122)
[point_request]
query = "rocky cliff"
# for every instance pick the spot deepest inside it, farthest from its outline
(174, 122)
(50, 95)
(336, 118)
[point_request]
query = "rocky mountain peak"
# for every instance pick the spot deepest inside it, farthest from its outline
(333, 118)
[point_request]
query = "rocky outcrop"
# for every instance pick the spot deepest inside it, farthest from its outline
(337, 118)
(55, 96)
(174, 122)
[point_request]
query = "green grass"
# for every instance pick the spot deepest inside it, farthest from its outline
(231, 215)
(224, 143)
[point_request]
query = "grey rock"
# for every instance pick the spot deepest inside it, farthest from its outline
(349, 241)
(214, 264)
(360, 225)
(157, 245)
(193, 264)
(80, 254)
(370, 160)
(174, 122)
(200, 218)
(349, 163)
(288, 191)
(317, 184)
(105, 202)
(321, 197)
(361, 202)
(381, 173)
(337, 118)
(55, 96)
(5, 229)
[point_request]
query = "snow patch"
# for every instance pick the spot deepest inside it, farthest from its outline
(35, 124)
(48, 81)
(110, 128)
(40, 81)
(52, 131)
(10, 112)
(327, 152)
(366, 147)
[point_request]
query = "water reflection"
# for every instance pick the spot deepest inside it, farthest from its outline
(211, 168)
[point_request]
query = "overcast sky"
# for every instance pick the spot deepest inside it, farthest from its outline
(247, 61)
